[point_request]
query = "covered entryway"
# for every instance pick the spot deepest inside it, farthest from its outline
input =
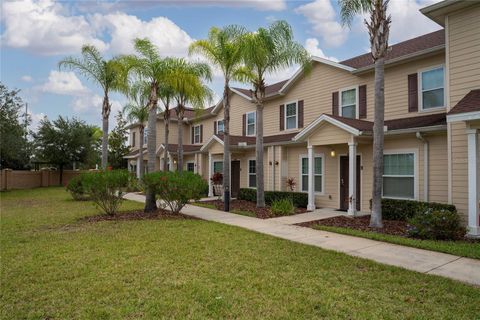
(235, 178)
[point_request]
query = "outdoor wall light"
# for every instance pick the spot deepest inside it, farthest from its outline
(332, 153)
(276, 163)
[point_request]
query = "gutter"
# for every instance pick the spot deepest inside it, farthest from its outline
(425, 164)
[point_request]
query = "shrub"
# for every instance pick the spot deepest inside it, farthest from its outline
(175, 189)
(299, 199)
(403, 210)
(76, 188)
(282, 207)
(437, 225)
(106, 188)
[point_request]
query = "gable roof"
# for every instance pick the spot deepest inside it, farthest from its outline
(469, 103)
(173, 148)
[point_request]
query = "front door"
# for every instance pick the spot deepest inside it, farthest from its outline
(344, 197)
(235, 188)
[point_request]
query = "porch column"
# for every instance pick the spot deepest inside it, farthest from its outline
(311, 187)
(210, 187)
(138, 168)
(473, 183)
(170, 159)
(352, 178)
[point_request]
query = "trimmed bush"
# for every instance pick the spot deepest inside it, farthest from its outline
(437, 225)
(282, 207)
(403, 210)
(106, 188)
(299, 199)
(175, 189)
(77, 189)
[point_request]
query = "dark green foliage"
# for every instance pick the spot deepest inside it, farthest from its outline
(299, 199)
(117, 144)
(283, 207)
(437, 225)
(106, 188)
(402, 210)
(76, 188)
(174, 188)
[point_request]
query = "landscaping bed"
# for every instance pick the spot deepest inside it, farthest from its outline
(136, 215)
(244, 207)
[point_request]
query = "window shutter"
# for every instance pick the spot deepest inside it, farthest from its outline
(215, 127)
(201, 133)
(282, 117)
(193, 134)
(362, 101)
(335, 103)
(412, 92)
(244, 123)
(300, 114)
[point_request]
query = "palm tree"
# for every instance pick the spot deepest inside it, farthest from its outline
(223, 49)
(166, 95)
(136, 111)
(106, 73)
(378, 29)
(265, 51)
(187, 79)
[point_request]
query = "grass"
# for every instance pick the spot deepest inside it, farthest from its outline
(57, 267)
(459, 248)
(236, 211)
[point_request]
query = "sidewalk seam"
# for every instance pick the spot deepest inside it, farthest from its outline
(442, 265)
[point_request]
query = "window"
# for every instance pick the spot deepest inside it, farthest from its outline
(399, 175)
(348, 103)
(252, 174)
(218, 166)
(196, 134)
(190, 166)
(220, 126)
(291, 115)
(145, 134)
(133, 139)
(251, 123)
(317, 173)
(432, 88)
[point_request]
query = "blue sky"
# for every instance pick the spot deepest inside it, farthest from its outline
(35, 35)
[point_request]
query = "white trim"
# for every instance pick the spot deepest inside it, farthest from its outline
(328, 119)
(340, 105)
(209, 178)
(420, 90)
(210, 141)
(285, 117)
(473, 182)
(255, 124)
(218, 105)
(305, 156)
(359, 154)
(466, 116)
(415, 171)
(249, 174)
(199, 133)
(213, 165)
(241, 94)
(216, 125)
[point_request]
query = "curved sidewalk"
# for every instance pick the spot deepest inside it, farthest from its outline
(431, 262)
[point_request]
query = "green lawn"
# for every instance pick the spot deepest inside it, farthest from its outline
(57, 267)
(459, 248)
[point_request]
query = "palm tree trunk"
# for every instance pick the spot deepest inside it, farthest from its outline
(180, 140)
(150, 201)
(378, 124)
(140, 154)
(259, 157)
(226, 149)
(167, 132)
(105, 116)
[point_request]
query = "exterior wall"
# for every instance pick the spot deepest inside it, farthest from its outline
(17, 179)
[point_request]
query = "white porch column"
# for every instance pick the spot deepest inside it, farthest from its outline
(171, 166)
(473, 183)
(311, 187)
(352, 178)
(210, 186)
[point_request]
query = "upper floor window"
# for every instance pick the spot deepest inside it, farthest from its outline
(133, 139)
(220, 126)
(251, 123)
(196, 134)
(399, 175)
(145, 135)
(218, 166)
(431, 88)
(291, 115)
(348, 103)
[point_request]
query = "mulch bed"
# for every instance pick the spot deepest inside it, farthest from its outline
(244, 205)
(397, 228)
(160, 214)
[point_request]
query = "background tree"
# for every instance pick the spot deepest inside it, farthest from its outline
(14, 144)
(107, 74)
(137, 112)
(378, 30)
(223, 49)
(117, 143)
(266, 51)
(62, 142)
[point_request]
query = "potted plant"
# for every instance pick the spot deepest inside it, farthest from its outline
(217, 180)
(291, 184)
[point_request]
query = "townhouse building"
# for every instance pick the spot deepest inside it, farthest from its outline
(318, 126)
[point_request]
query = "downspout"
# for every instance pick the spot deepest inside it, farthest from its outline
(425, 165)
(273, 168)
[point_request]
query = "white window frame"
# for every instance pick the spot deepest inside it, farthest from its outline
(189, 162)
(218, 121)
(420, 91)
(254, 123)
(251, 174)
(305, 156)
(195, 134)
(340, 104)
(213, 165)
(415, 172)
(285, 117)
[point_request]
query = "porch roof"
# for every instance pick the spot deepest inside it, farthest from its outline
(468, 108)
(134, 154)
(173, 148)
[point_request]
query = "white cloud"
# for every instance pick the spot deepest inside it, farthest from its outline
(64, 83)
(27, 78)
(321, 15)
(92, 104)
(44, 27)
(311, 45)
(35, 118)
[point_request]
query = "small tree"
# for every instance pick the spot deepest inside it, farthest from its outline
(117, 143)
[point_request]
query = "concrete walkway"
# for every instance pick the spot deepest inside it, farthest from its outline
(431, 262)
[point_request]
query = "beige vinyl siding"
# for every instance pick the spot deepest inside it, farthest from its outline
(329, 134)
(135, 129)
(438, 168)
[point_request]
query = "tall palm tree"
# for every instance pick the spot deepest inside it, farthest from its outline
(265, 51)
(136, 111)
(166, 95)
(105, 73)
(223, 49)
(378, 30)
(187, 79)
